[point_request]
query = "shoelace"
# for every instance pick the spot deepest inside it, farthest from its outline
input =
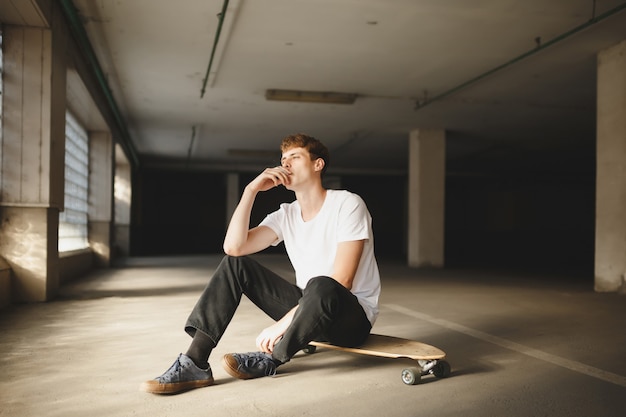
(174, 370)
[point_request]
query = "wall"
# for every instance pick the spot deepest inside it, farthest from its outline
(522, 222)
(540, 221)
(75, 264)
(5, 284)
(38, 54)
(178, 212)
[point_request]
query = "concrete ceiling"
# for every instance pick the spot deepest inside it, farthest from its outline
(411, 63)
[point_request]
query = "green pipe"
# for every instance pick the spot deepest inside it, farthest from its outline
(215, 41)
(541, 47)
(78, 31)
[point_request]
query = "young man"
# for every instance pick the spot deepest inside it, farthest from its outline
(329, 241)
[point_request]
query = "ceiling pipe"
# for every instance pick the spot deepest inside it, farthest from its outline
(540, 46)
(191, 142)
(78, 31)
(215, 41)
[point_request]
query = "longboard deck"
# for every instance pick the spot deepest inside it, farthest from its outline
(390, 347)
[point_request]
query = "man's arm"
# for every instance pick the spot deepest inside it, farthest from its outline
(347, 261)
(240, 240)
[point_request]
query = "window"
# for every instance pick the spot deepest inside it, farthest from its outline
(73, 220)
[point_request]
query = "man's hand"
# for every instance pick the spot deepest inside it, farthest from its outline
(270, 178)
(266, 340)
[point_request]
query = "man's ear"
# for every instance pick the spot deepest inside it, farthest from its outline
(319, 164)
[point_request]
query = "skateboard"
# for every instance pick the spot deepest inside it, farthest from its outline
(429, 358)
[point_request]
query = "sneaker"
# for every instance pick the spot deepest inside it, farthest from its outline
(183, 375)
(249, 365)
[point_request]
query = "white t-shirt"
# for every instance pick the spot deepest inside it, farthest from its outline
(312, 245)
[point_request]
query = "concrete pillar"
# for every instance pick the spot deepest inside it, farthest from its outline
(610, 255)
(122, 193)
(32, 151)
(232, 195)
(427, 151)
(101, 168)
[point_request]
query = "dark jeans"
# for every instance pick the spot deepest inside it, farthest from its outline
(326, 309)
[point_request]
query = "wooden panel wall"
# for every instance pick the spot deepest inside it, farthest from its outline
(33, 140)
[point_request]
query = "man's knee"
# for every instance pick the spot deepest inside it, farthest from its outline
(234, 263)
(231, 269)
(322, 287)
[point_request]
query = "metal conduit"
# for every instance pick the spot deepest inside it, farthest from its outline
(419, 105)
(215, 41)
(78, 31)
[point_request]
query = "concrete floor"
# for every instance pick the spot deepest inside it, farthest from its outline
(519, 345)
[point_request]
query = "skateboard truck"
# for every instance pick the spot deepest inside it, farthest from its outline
(437, 367)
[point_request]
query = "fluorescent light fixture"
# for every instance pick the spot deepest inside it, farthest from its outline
(310, 96)
(255, 153)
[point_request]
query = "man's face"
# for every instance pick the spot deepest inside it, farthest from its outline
(294, 157)
(297, 162)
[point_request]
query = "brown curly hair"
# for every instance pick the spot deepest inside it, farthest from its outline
(312, 145)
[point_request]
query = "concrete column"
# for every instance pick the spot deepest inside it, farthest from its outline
(123, 193)
(32, 151)
(232, 195)
(610, 255)
(427, 151)
(29, 246)
(101, 196)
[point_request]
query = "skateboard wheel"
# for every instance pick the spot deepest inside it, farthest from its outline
(411, 376)
(309, 349)
(441, 369)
